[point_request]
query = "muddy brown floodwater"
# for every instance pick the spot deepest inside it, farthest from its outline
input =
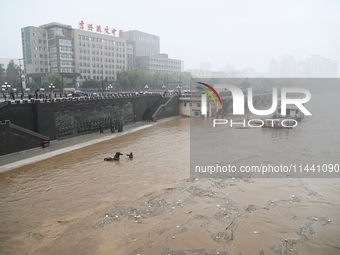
(77, 203)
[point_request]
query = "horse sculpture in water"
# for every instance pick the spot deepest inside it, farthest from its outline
(116, 157)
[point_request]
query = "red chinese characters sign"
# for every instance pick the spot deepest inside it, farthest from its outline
(106, 29)
(81, 25)
(99, 29)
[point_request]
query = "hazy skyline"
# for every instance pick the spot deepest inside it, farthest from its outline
(244, 33)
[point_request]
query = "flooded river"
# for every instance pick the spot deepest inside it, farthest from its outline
(77, 203)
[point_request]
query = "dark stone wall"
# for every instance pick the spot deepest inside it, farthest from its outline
(14, 140)
(74, 117)
(23, 115)
(168, 109)
(161, 101)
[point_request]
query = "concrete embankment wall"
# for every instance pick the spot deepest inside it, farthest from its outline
(62, 119)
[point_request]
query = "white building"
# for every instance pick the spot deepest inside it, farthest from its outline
(76, 54)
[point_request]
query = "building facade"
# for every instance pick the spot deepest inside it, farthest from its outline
(131, 59)
(159, 63)
(198, 73)
(99, 56)
(274, 69)
(77, 55)
(320, 67)
(145, 44)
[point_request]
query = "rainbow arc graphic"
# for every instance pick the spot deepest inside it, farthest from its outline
(209, 90)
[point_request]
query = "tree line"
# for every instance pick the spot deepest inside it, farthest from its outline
(127, 80)
(10, 74)
(136, 80)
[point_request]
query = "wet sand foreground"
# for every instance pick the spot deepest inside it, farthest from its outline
(76, 203)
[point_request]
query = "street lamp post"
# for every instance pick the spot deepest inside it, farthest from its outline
(7, 86)
(163, 87)
(110, 87)
(52, 87)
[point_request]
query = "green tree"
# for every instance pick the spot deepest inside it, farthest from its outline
(12, 74)
(57, 81)
(137, 79)
(32, 85)
(91, 84)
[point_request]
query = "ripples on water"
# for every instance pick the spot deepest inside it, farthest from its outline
(80, 181)
(314, 141)
(38, 198)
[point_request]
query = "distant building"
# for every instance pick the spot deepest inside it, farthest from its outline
(130, 55)
(315, 66)
(205, 66)
(146, 54)
(182, 66)
(197, 73)
(320, 67)
(145, 44)
(76, 54)
(300, 65)
(274, 69)
(288, 66)
(248, 72)
(158, 63)
(228, 67)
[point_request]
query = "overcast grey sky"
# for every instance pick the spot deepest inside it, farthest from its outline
(244, 33)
